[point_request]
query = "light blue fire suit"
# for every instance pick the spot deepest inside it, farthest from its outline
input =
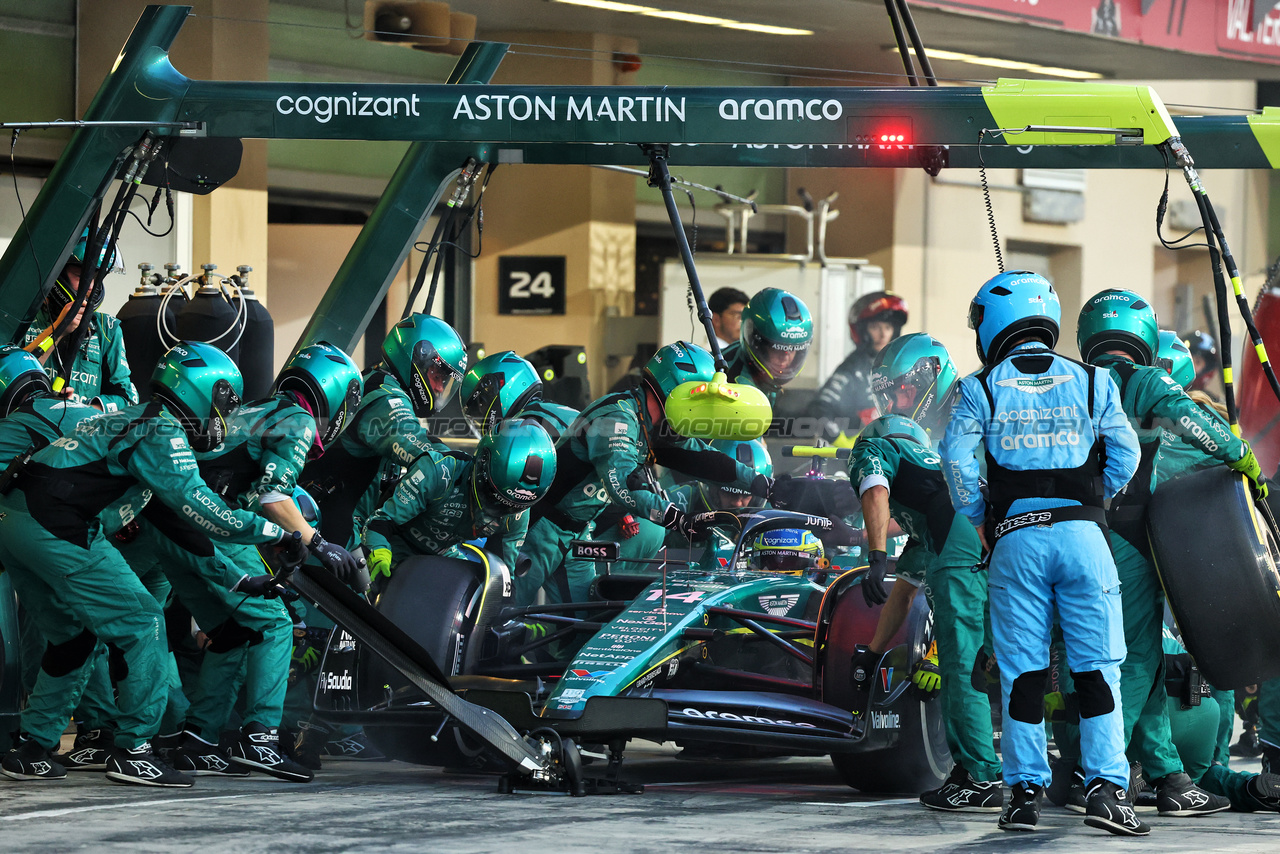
(1039, 415)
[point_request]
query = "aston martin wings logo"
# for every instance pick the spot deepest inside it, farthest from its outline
(1034, 385)
(779, 606)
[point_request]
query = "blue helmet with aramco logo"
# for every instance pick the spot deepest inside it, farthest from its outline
(676, 364)
(776, 333)
(1117, 319)
(515, 465)
(1010, 307)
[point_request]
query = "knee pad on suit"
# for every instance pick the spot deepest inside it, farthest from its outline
(62, 658)
(1026, 698)
(1094, 694)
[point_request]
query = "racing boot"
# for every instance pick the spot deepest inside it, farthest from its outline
(1023, 810)
(1176, 795)
(961, 793)
(257, 747)
(199, 758)
(140, 766)
(1270, 758)
(354, 746)
(1144, 797)
(1248, 745)
(29, 760)
(89, 752)
(1109, 809)
(308, 747)
(1067, 788)
(1263, 792)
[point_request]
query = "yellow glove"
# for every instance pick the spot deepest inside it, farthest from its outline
(926, 678)
(1248, 466)
(379, 563)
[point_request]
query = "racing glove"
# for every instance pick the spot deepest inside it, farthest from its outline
(1248, 466)
(762, 486)
(675, 519)
(265, 586)
(342, 563)
(380, 563)
(873, 582)
(862, 668)
(926, 678)
(629, 526)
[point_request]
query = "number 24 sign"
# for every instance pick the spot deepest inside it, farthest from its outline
(531, 284)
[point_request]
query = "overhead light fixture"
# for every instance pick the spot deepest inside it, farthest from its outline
(687, 17)
(1011, 64)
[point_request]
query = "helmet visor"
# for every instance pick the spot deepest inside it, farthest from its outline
(726, 498)
(906, 394)
(780, 360)
(225, 403)
(433, 380)
(502, 499)
(784, 560)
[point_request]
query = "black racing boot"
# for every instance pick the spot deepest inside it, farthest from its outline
(200, 758)
(308, 747)
(1109, 808)
(961, 793)
(1248, 745)
(90, 750)
(257, 747)
(1023, 810)
(354, 746)
(1270, 758)
(1144, 797)
(1176, 795)
(1264, 791)
(141, 767)
(1067, 787)
(29, 760)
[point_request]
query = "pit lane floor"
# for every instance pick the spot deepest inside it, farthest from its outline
(791, 805)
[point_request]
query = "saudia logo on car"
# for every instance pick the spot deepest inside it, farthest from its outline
(335, 681)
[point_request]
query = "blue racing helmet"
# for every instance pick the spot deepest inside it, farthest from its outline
(202, 386)
(1010, 307)
(21, 376)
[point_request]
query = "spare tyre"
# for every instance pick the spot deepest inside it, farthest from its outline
(1216, 552)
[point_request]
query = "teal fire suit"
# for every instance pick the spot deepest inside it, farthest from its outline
(99, 370)
(950, 548)
(606, 456)
(78, 586)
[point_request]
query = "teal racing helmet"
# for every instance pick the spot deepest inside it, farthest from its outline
(788, 551)
(497, 387)
(426, 356)
(914, 376)
(1175, 357)
(21, 377)
(776, 333)
(895, 427)
(514, 467)
(202, 385)
(1117, 319)
(65, 291)
(753, 454)
(676, 364)
(1010, 307)
(330, 382)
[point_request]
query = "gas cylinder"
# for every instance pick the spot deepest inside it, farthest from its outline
(144, 342)
(1259, 409)
(258, 343)
(213, 315)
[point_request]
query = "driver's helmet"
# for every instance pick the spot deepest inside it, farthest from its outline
(497, 387)
(729, 496)
(426, 356)
(203, 387)
(1117, 319)
(21, 377)
(63, 294)
(914, 376)
(789, 551)
(1175, 357)
(776, 333)
(329, 381)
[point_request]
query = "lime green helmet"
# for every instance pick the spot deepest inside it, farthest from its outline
(790, 551)
(753, 454)
(21, 377)
(895, 427)
(426, 356)
(330, 382)
(914, 376)
(675, 364)
(1118, 320)
(202, 385)
(497, 387)
(776, 333)
(1175, 357)
(515, 465)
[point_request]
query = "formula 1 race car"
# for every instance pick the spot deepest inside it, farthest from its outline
(726, 661)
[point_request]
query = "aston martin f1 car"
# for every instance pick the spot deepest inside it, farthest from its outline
(724, 660)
